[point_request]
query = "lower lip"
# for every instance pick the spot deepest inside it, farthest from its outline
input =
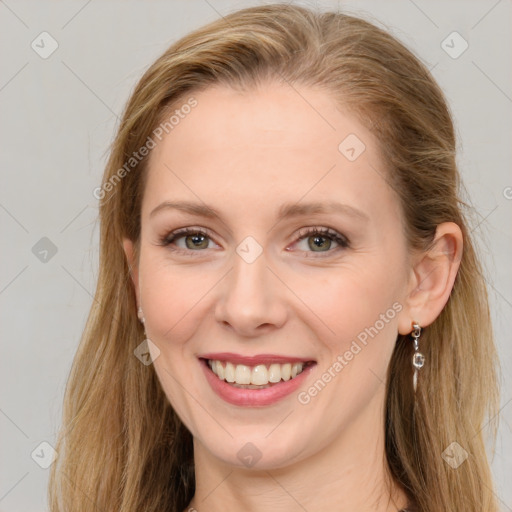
(254, 397)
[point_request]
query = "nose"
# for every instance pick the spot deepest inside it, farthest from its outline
(251, 299)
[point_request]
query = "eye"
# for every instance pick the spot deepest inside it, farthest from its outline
(321, 240)
(187, 239)
(314, 239)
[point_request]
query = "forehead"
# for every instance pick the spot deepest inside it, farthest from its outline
(266, 147)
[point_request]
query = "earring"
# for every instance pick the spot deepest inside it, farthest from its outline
(418, 359)
(140, 314)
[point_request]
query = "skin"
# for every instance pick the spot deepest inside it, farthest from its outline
(245, 154)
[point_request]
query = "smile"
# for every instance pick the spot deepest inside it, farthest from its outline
(254, 380)
(255, 377)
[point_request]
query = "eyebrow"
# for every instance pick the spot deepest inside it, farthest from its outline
(286, 211)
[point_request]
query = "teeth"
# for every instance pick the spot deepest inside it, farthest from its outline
(286, 371)
(219, 369)
(241, 375)
(274, 373)
(229, 372)
(259, 375)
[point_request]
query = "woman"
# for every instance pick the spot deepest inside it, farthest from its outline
(226, 364)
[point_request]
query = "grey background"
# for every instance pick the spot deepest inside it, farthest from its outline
(58, 117)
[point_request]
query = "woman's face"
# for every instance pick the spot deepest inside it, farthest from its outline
(255, 288)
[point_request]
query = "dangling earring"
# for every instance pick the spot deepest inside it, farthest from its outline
(140, 314)
(418, 359)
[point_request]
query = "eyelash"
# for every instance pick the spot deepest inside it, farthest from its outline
(328, 233)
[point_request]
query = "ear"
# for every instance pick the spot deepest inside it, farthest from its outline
(131, 259)
(432, 278)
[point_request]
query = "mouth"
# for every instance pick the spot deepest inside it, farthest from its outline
(260, 376)
(256, 380)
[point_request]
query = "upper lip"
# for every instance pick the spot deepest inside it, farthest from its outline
(254, 360)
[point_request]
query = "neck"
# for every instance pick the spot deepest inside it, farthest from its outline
(349, 473)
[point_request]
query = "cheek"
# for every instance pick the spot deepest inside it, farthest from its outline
(361, 305)
(173, 296)
(352, 298)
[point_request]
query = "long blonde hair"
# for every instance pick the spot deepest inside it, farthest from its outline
(121, 446)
